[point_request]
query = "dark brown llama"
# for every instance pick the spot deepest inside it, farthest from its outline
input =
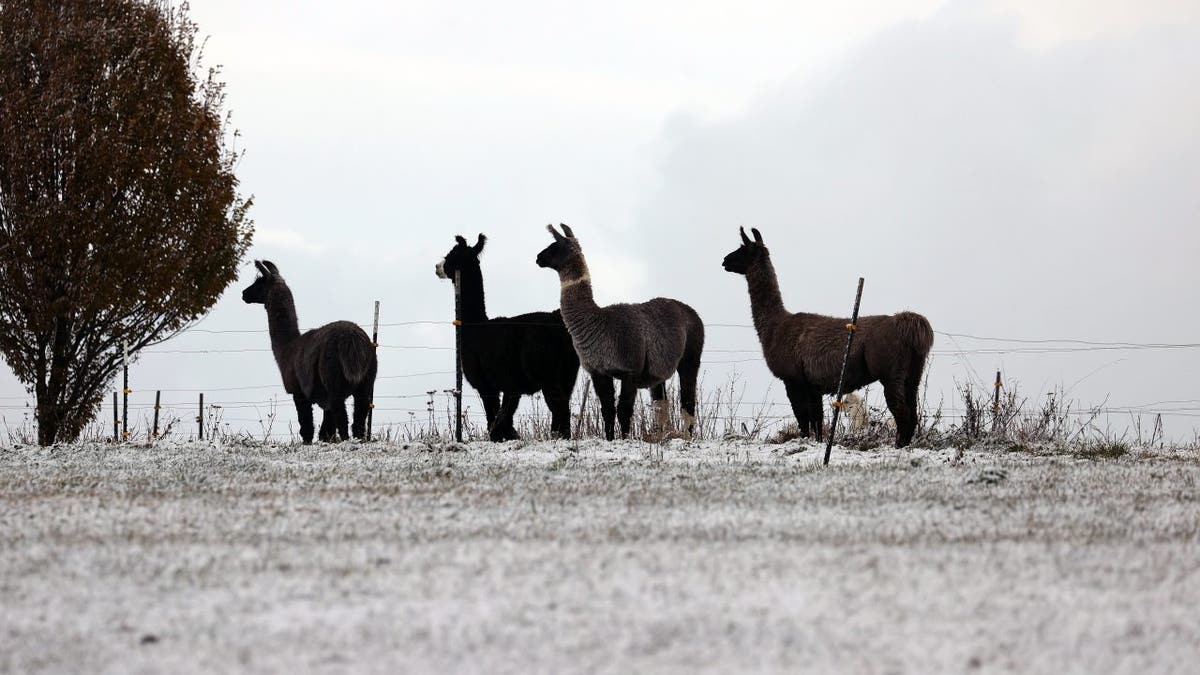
(805, 350)
(323, 366)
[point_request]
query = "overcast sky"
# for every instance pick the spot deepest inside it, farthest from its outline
(1009, 169)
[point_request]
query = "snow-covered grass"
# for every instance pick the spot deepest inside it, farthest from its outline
(594, 557)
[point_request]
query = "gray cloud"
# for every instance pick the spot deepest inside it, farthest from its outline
(1001, 190)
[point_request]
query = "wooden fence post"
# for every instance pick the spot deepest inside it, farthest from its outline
(116, 420)
(157, 402)
(837, 404)
(125, 390)
(200, 417)
(375, 342)
(996, 405)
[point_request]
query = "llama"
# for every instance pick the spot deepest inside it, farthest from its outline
(642, 345)
(857, 418)
(805, 350)
(322, 366)
(858, 415)
(520, 355)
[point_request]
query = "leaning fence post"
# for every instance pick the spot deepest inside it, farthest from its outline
(458, 374)
(583, 401)
(116, 420)
(375, 343)
(200, 417)
(996, 405)
(157, 402)
(125, 390)
(837, 404)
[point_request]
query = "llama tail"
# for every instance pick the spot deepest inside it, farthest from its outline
(915, 333)
(357, 357)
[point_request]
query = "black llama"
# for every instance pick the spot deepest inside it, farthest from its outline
(323, 366)
(805, 350)
(513, 356)
(642, 345)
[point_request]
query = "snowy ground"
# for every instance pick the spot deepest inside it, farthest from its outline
(595, 558)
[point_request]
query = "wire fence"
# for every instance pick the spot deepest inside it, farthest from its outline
(411, 400)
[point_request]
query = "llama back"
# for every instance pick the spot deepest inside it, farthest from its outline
(519, 353)
(677, 338)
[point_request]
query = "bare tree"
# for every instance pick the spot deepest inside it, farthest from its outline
(120, 217)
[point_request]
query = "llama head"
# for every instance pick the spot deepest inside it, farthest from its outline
(268, 277)
(747, 254)
(562, 252)
(461, 257)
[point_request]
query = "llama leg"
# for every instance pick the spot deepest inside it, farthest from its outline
(688, 370)
(662, 411)
(304, 412)
(328, 429)
(625, 407)
(362, 405)
(912, 386)
(560, 412)
(364, 396)
(906, 423)
(606, 393)
(797, 395)
(491, 409)
(504, 422)
(343, 422)
(816, 413)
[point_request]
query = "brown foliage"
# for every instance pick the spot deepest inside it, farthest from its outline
(120, 218)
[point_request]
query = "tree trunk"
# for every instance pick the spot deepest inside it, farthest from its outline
(47, 420)
(50, 407)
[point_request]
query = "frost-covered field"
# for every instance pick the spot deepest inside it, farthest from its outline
(595, 558)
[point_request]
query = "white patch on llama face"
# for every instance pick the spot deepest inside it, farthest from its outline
(440, 269)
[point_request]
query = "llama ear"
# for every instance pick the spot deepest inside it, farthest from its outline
(567, 230)
(757, 236)
(479, 244)
(259, 266)
(271, 268)
(557, 236)
(745, 239)
(461, 241)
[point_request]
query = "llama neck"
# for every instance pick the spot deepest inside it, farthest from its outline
(583, 318)
(575, 298)
(766, 304)
(281, 318)
(474, 308)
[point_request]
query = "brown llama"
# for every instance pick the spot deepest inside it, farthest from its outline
(805, 350)
(323, 366)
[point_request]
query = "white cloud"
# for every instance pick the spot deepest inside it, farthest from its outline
(1046, 25)
(287, 240)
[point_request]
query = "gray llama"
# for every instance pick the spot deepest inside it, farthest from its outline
(642, 345)
(322, 366)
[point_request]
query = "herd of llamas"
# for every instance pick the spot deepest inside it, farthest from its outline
(641, 345)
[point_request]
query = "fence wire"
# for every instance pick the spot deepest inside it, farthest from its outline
(438, 401)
